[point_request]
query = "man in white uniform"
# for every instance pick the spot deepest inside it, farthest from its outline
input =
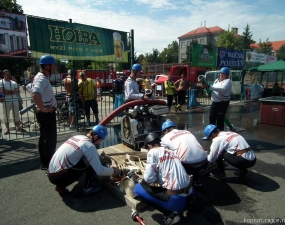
(231, 147)
(188, 149)
(164, 167)
(77, 156)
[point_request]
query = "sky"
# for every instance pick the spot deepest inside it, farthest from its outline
(157, 23)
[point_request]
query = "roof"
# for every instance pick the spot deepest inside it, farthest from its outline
(275, 66)
(203, 30)
(275, 45)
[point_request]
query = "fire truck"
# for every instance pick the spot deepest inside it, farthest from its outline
(106, 77)
(190, 73)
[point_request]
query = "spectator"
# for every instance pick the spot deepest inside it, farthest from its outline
(170, 90)
(10, 91)
(45, 101)
(99, 86)
(185, 145)
(87, 92)
(131, 86)
(68, 84)
(276, 90)
(183, 85)
(163, 166)
(29, 86)
(78, 155)
(232, 148)
(20, 101)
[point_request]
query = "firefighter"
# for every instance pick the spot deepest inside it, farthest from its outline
(78, 155)
(131, 86)
(232, 148)
(163, 166)
(188, 149)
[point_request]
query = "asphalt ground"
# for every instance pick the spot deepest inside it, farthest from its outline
(27, 197)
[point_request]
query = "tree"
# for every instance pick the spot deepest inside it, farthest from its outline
(265, 47)
(10, 6)
(169, 54)
(281, 53)
(229, 40)
(247, 38)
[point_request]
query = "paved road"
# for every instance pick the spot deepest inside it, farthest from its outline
(27, 197)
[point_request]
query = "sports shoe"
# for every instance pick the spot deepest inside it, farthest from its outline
(87, 123)
(243, 175)
(72, 127)
(171, 219)
(97, 121)
(219, 175)
(92, 190)
(62, 191)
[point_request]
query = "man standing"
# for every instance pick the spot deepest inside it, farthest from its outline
(45, 101)
(183, 85)
(131, 86)
(88, 94)
(10, 91)
(99, 86)
(169, 89)
(221, 94)
(68, 83)
(185, 145)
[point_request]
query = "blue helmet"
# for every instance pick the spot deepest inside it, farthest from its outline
(209, 129)
(47, 60)
(167, 124)
(137, 67)
(101, 131)
(225, 70)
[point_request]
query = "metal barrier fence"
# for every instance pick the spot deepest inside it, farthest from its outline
(30, 127)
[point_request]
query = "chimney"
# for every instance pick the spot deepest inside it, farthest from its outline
(204, 23)
(235, 30)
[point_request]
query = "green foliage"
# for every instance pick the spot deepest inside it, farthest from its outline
(10, 6)
(281, 53)
(61, 66)
(247, 38)
(17, 66)
(229, 40)
(169, 54)
(265, 47)
(187, 56)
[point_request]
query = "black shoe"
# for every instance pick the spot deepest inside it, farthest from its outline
(62, 191)
(243, 175)
(43, 167)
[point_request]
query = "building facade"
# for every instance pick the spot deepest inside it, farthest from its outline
(203, 36)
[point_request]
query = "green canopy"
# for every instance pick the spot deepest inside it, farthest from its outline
(251, 69)
(275, 66)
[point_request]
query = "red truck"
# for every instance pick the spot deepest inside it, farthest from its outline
(191, 74)
(106, 76)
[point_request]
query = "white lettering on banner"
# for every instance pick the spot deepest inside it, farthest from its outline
(229, 63)
(235, 55)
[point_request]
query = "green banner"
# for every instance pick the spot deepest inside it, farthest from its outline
(204, 56)
(73, 41)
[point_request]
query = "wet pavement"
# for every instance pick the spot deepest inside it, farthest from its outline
(27, 197)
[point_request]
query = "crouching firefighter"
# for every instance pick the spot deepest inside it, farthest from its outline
(78, 155)
(163, 166)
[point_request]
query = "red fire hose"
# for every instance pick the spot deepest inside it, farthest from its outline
(136, 217)
(128, 105)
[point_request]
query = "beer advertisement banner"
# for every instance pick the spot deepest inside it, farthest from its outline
(204, 56)
(13, 35)
(230, 58)
(260, 57)
(73, 41)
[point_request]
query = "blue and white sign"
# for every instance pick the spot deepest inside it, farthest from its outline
(230, 58)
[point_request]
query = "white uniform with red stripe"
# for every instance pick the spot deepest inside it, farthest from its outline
(70, 153)
(221, 90)
(185, 144)
(231, 142)
(165, 167)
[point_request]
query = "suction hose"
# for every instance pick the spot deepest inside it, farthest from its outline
(128, 105)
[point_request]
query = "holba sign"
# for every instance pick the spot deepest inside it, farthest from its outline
(230, 58)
